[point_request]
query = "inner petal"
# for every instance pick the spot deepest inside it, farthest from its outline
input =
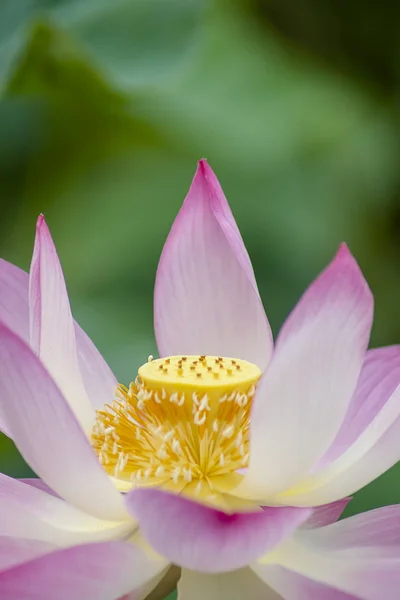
(182, 426)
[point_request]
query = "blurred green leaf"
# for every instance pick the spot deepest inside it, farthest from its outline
(132, 42)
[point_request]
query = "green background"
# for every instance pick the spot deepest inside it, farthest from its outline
(107, 105)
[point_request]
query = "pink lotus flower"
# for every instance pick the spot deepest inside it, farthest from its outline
(222, 425)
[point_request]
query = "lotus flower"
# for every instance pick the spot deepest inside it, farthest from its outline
(227, 458)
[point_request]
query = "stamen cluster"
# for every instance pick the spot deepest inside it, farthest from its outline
(183, 422)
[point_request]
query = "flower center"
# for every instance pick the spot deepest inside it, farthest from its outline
(183, 426)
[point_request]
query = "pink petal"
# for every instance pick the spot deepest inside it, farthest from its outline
(103, 571)
(14, 551)
(48, 435)
(30, 513)
(98, 378)
(326, 514)
(374, 452)
(303, 397)
(359, 556)
(206, 298)
(100, 382)
(14, 311)
(197, 537)
(235, 585)
(377, 529)
(379, 378)
(38, 484)
(292, 586)
(52, 332)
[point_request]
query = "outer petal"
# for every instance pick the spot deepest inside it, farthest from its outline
(293, 586)
(379, 378)
(374, 452)
(375, 530)
(14, 551)
(100, 382)
(359, 556)
(303, 397)
(98, 378)
(326, 514)
(235, 585)
(48, 435)
(30, 513)
(52, 332)
(206, 299)
(14, 311)
(38, 484)
(197, 537)
(104, 571)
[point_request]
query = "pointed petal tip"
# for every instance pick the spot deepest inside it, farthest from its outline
(40, 221)
(343, 251)
(42, 230)
(205, 172)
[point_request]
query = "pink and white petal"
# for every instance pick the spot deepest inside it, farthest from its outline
(203, 539)
(326, 514)
(235, 585)
(104, 571)
(359, 556)
(14, 311)
(15, 551)
(206, 299)
(52, 332)
(99, 380)
(374, 452)
(380, 375)
(48, 435)
(379, 528)
(293, 586)
(38, 484)
(30, 513)
(303, 397)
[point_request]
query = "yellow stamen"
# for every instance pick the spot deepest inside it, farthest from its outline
(182, 426)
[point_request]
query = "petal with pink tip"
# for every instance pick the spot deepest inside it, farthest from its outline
(99, 380)
(200, 538)
(303, 397)
(374, 452)
(52, 332)
(359, 555)
(235, 585)
(380, 375)
(206, 299)
(104, 571)
(30, 513)
(48, 435)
